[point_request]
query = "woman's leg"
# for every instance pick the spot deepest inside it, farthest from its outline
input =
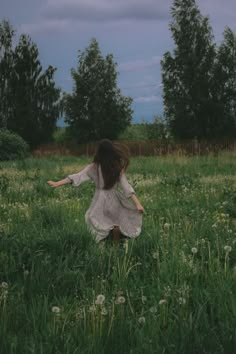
(116, 234)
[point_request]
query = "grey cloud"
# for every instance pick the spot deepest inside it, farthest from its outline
(45, 26)
(140, 64)
(105, 10)
(147, 99)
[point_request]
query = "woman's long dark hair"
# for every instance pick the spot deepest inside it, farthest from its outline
(113, 159)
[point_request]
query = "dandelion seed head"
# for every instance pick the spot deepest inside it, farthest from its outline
(142, 320)
(228, 248)
(182, 301)
(155, 255)
(194, 250)
(100, 299)
(153, 309)
(4, 285)
(162, 302)
(56, 309)
(120, 300)
(166, 226)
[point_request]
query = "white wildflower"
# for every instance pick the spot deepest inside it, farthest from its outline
(194, 250)
(155, 255)
(56, 309)
(228, 249)
(162, 302)
(153, 309)
(100, 299)
(120, 300)
(4, 285)
(182, 301)
(142, 320)
(166, 226)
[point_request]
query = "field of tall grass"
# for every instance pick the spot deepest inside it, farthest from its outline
(172, 290)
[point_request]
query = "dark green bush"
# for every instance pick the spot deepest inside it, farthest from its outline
(12, 146)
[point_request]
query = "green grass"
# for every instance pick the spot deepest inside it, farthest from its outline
(176, 301)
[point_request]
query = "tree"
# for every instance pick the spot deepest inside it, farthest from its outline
(31, 94)
(158, 129)
(187, 74)
(35, 98)
(96, 109)
(224, 88)
(6, 63)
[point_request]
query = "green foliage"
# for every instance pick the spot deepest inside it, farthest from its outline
(12, 146)
(31, 103)
(96, 109)
(61, 135)
(179, 181)
(187, 73)
(199, 79)
(146, 131)
(229, 194)
(174, 278)
(6, 72)
(134, 132)
(158, 129)
(224, 89)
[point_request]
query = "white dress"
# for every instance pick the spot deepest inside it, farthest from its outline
(109, 207)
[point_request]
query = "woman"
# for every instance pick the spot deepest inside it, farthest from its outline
(110, 208)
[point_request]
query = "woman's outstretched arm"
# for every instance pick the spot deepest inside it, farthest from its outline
(59, 183)
(76, 178)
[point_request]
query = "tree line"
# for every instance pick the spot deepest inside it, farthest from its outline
(199, 87)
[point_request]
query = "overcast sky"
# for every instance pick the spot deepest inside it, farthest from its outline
(136, 32)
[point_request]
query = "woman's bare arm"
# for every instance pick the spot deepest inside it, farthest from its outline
(58, 183)
(137, 203)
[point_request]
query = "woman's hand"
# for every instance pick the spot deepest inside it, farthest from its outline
(140, 208)
(52, 183)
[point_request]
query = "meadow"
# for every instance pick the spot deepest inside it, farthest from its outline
(172, 290)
